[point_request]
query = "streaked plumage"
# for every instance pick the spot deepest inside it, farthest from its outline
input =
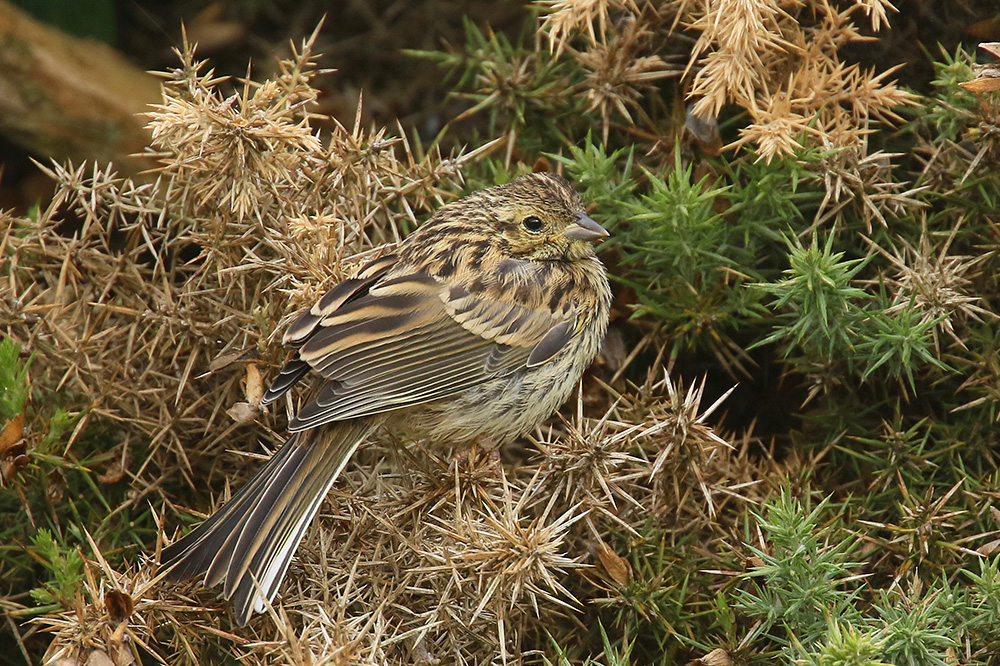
(478, 326)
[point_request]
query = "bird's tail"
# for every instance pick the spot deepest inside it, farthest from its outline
(249, 542)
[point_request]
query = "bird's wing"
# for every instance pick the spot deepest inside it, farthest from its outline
(388, 342)
(306, 325)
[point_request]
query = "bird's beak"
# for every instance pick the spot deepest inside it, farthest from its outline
(585, 229)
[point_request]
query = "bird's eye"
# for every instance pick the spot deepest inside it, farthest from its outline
(532, 223)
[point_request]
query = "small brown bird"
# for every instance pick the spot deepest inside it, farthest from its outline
(477, 327)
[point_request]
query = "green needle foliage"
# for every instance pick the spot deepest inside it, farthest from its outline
(983, 604)
(901, 342)
(520, 89)
(820, 237)
(805, 576)
(914, 633)
(65, 565)
(819, 307)
(605, 180)
(13, 380)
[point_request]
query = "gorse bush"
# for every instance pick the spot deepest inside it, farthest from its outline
(786, 452)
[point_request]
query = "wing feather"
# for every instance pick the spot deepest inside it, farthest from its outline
(550, 344)
(385, 341)
(345, 292)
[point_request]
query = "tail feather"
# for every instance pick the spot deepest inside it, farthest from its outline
(249, 542)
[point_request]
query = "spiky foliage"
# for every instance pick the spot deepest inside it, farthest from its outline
(836, 261)
(134, 278)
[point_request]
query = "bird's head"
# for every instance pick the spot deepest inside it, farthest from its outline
(541, 217)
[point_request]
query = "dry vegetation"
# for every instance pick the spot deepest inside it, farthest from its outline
(153, 308)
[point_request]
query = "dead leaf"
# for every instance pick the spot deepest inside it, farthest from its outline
(116, 470)
(118, 604)
(12, 432)
(55, 487)
(242, 412)
(13, 449)
(616, 566)
(99, 658)
(986, 29)
(988, 79)
(254, 384)
(717, 657)
(541, 164)
(992, 48)
(983, 84)
(229, 358)
(989, 548)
